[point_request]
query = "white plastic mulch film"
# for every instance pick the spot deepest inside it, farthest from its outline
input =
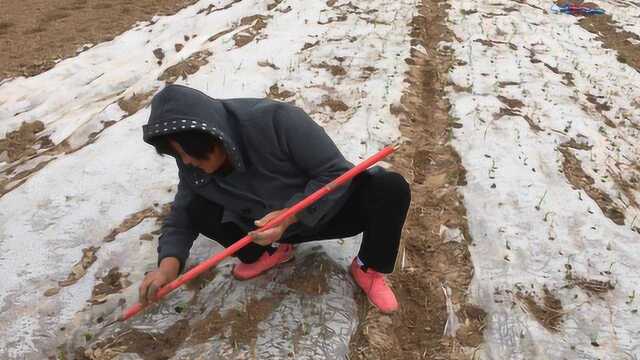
(557, 276)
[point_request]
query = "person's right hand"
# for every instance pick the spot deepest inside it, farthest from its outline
(154, 280)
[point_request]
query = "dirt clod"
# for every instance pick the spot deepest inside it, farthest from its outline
(136, 102)
(334, 105)
(20, 143)
(257, 22)
(188, 66)
(309, 45)
(111, 283)
(136, 218)
(549, 313)
(159, 54)
(592, 286)
(335, 70)
(277, 94)
(80, 268)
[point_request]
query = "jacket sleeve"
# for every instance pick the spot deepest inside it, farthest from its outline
(315, 154)
(178, 233)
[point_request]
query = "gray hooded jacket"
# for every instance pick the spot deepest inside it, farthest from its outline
(279, 156)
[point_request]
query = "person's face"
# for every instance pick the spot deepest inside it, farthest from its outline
(211, 164)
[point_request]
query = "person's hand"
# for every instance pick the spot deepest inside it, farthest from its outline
(154, 280)
(274, 234)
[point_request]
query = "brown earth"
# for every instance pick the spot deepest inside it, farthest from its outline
(257, 22)
(549, 313)
(513, 109)
(111, 283)
(162, 346)
(425, 262)
(80, 268)
(186, 67)
(312, 279)
(158, 212)
(591, 286)
(34, 33)
(136, 102)
(572, 169)
(23, 141)
(277, 94)
(335, 70)
(334, 104)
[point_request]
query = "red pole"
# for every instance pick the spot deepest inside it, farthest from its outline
(215, 259)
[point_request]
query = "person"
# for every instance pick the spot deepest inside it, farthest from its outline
(241, 162)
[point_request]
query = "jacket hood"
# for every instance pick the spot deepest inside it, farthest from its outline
(178, 108)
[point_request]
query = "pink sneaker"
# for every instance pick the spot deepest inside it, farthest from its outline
(283, 253)
(376, 288)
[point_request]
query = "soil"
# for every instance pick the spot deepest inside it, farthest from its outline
(149, 346)
(277, 94)
(425, 262)
(212, 8)
(23, 141)
(35, 158)
(136, 218)
(257, 22)
(35, 33)
(572, 169)
(111, 283)
(549, 313)
(80, 268)
(243, 325)
(19, 146)
(473, 320)
(312, 279)
(309, 45)
(222, 33)
(591, 286)
(335, 70)
(334, 105)
(512, 109)
(136, 102)
(185, 67)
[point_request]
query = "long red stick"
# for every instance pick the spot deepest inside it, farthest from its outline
(215, 259)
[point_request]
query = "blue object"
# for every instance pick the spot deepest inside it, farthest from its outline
(576, 9)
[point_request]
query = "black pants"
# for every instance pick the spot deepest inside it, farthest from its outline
(377, 207)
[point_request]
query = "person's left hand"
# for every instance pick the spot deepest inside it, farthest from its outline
(274, 234)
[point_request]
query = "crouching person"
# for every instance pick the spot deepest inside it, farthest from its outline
(241, 162)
